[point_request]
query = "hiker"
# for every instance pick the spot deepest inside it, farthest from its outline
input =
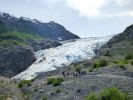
(74, 74)
(63, 74)
(83, 73)
(78, 90)
(67, 73)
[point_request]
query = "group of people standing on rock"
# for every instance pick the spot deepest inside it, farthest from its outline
(65, 74)
(74, 74)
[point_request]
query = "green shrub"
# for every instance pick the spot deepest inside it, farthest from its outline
(129, 56)
(121, 62)
(77, 68)
(23, 83)
(132, 62)
(92, 96)
(44, 98)
(95, 65)
(55, 81)
(102, 63)
(107, 54)
(58, 81)
(112, 93)
(121, 66)
(50, 80)
(131, 42)
(91, 70)
(58, 91)
(99, 63)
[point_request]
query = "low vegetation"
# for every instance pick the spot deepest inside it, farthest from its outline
(57, 91)
(18, 38)
(44, 98)
(55, 81)
(111, 93)
(99, 63)
(121, 66)
(132, 62)
(18, 35)
(92, 96)
(23, 83)
(3, 97)
(121, 62)
(129, 56)
(108, 54)
(77, 68)
(50, 80)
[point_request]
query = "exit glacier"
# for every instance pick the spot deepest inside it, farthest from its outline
(64, 55)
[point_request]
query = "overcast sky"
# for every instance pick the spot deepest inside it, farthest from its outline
(83, 17)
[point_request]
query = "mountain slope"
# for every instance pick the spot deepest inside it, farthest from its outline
(49, 30)
(120, 45)
(23, 36)
(2, 26)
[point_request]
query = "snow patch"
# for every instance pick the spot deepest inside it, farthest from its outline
(60, 38)
(28, 19)
(6, 15)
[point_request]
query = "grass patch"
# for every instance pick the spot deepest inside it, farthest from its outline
(44, 98)
(111, 93)
(77, 68)
(55, 81)
(121, 62)
(23, 83)
(15, 42)
(121, 66)
(91, 96)
(57, 91)
(50, 80)
(19, 35)
(99, 63)
(129, 56)
(132, 62)
(18, 38)
(3, 97)
(58, 81)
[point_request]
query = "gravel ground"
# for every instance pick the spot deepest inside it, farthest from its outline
(77, 88)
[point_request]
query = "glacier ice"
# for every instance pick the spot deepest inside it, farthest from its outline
(64, 55)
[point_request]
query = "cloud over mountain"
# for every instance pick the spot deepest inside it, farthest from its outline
(102, 8)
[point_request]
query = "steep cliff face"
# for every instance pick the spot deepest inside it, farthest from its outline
(14, 61)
